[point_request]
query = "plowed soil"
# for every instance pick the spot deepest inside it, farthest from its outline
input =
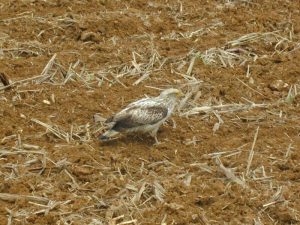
(64, 61)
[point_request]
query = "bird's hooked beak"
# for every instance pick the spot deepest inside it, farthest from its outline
(179, 94)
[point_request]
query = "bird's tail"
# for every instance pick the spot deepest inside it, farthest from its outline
(108, 134)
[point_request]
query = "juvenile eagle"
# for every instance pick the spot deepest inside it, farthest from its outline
(144, 116)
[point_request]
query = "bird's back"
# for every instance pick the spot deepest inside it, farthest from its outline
(146, 111)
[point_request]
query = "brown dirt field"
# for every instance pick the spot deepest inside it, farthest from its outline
(202, 172)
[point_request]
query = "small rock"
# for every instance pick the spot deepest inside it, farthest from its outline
(82, 170)
(278, 85)
(88, 36)
(46, 102)
(174, 206)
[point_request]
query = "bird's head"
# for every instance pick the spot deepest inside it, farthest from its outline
(171, 92)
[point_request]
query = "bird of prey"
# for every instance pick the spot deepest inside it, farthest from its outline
(143, 116)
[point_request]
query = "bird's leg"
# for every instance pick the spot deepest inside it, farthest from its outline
(154, 135)
(156, 140)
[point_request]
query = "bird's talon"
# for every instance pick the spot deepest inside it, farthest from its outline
(157, 143)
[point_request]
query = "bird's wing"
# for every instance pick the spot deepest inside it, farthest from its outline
(138, 115)
(144, 102)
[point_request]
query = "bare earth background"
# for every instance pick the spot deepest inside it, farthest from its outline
(230, 154)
